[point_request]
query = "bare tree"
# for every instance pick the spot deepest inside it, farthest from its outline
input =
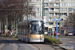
(70, 22)
(19, 6)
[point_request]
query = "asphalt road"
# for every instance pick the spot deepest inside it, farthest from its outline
(68, 42)
(10, 44)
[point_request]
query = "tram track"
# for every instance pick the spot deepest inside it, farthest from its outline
(16, 44)
(7, 41)
(3, 46)
(36, 46)
(30, 44)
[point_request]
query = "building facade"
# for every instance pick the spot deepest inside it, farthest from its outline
(52, 9)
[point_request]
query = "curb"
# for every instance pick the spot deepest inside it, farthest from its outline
(59, 46)
(63, 47)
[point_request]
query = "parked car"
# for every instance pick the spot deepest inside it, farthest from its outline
(69, 34)
(57, 33)
(46, 33)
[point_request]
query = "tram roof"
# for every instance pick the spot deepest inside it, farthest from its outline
(30, 20)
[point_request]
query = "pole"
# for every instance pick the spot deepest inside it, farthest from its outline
(0, 25)
(6, 28)
(53, 34)
(59, 17)
(56, 29)
(42, 9)
(27, 9)
(16, 25)
(6, 22)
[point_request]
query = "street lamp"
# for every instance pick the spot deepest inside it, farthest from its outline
(42, 9)
(27, 9)
(59, 15)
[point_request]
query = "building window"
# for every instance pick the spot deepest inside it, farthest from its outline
(63, 0)
(51, 0)
(63, 4)
(71, 0)
(57, 14)
(46, 0)
(51, 9)
(38, 14)
(38, 0)
(56, 9)
(38, 9)
(63, 14)
(46, 14)
(63, 9)
(45, 4)
(71, 4)
(56, 4)
(51, 4)
(57, 0)
(34, 0)
(51, 14)
(70, 9)
(46, 9)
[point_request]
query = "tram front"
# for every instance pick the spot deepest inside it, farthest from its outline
(36, 31)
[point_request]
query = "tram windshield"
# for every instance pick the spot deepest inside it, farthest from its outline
(37, 27)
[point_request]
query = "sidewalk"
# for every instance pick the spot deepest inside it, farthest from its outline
(45, 47)
(49, 47)
(52, 47)
(65, 48)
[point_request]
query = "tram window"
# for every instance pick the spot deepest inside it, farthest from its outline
(20, 30)
(24, 30)
(36, 29)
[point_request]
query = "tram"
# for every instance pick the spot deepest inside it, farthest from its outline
(31, 31)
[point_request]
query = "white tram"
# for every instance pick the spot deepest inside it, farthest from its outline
(31, 31)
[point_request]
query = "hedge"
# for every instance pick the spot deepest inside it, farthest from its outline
(52, 40)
